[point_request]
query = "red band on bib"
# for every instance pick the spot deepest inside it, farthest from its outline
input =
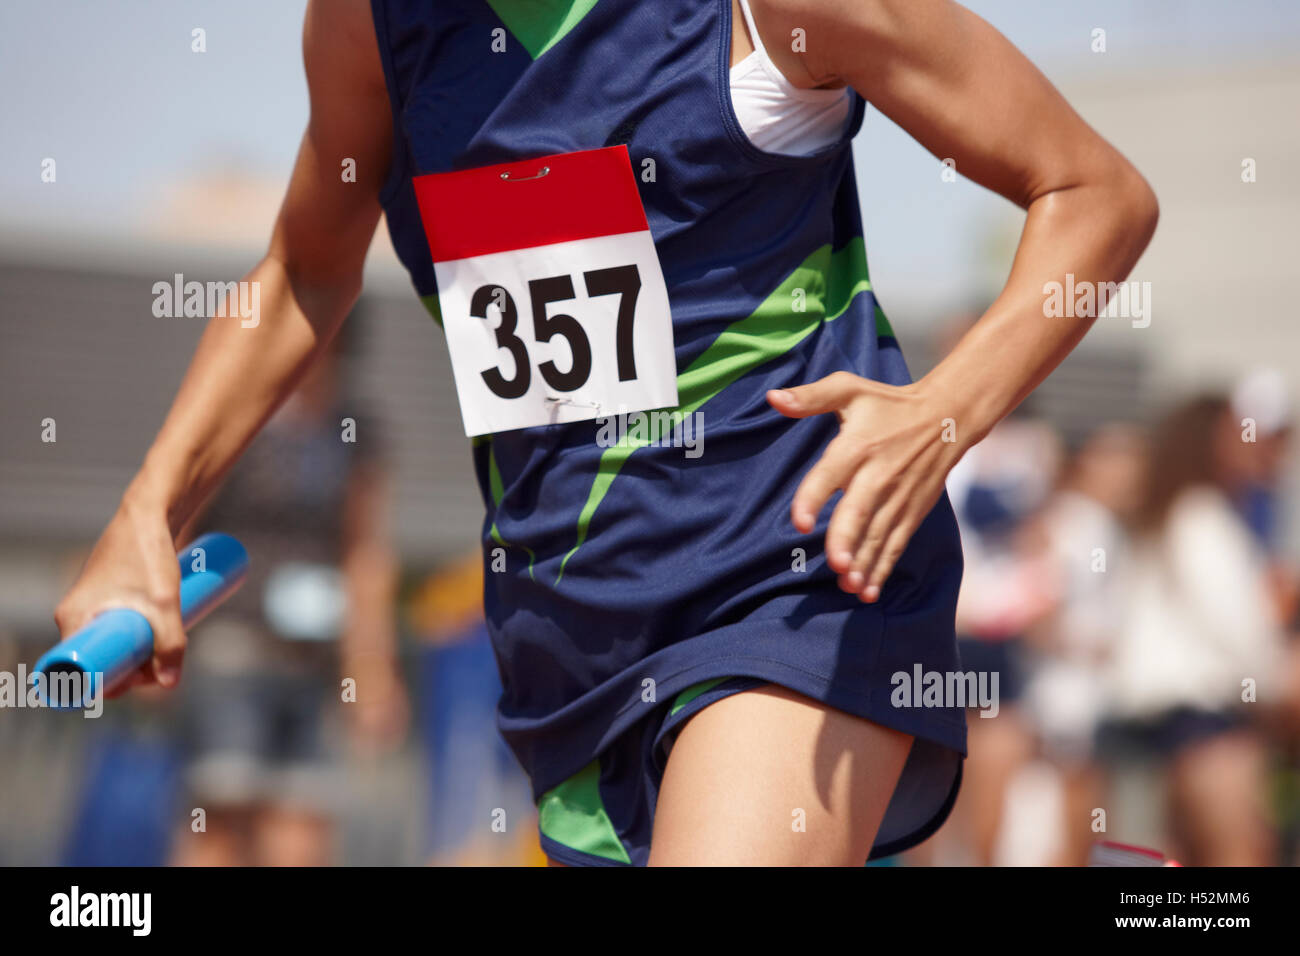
(475, 212)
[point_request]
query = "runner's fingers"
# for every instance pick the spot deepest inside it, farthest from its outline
(166, 662)
(137, 678)
(853, 515)
(886, 560)
(869, 546)
(827, 394)
(168, 638)
(834, 470)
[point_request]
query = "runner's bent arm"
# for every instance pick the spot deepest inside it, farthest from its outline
(309, 280)
(964, 92)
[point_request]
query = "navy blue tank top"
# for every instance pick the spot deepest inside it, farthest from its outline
(624, 574)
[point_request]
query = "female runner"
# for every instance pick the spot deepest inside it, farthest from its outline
(698, 650)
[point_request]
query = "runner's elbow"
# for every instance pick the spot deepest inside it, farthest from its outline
(1131, 202)
(320, 289)
(1139, 207)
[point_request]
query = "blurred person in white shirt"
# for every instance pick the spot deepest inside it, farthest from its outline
(1081, 542)
(1200, 640)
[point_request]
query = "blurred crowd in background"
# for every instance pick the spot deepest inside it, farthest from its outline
(1130, 589)
(1126, 585)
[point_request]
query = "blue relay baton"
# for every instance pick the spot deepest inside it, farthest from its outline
(119, 641)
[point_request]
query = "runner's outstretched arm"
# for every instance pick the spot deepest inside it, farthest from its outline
(309, 280)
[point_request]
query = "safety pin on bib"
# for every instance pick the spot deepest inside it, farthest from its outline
(554, 400)
(523, 179)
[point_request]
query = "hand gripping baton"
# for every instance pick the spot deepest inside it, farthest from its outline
(118, 641)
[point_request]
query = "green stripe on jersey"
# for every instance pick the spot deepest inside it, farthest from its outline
(540, 24)
(883, 329)
(824, 284)
(573, 815)
(497, 489)
(694, 691)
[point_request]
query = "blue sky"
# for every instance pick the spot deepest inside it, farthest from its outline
(112, 91)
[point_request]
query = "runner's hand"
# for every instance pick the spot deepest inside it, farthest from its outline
(891, 457)
(133, 565)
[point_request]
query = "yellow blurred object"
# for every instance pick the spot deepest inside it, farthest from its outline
(523, 849)
(449, 600)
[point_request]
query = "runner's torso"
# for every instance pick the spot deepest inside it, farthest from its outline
(612, 554)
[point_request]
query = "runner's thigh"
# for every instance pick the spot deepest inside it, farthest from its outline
(770, 777)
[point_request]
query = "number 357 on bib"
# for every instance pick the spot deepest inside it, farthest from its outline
(552, 298)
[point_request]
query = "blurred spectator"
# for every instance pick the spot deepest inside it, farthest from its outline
(1261, 402)
(994, 489)
(1199, 628)
(1081, 537)
(481, 811)
(262, 683)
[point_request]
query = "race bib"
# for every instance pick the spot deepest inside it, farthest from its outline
(552, 298)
